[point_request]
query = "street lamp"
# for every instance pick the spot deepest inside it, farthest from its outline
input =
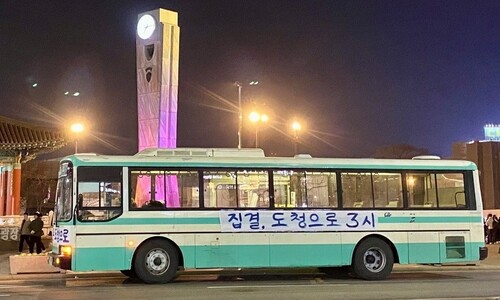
(77, 129)
(240, 113)
(296, 127)
(256, 117)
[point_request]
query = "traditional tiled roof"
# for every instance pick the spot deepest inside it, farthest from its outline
(19, 137)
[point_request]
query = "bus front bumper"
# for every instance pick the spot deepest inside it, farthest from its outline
(59, 261)
(483, 253)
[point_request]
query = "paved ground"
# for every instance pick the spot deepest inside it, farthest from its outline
(491, 263)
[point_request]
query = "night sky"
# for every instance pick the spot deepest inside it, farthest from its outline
(359, 75)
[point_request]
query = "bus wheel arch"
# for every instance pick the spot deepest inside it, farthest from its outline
(373, 258)
(179, 252)
(157, 260)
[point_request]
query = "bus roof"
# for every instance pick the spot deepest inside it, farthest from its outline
(254, 158)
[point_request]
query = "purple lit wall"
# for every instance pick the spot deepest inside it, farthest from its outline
(157, 86)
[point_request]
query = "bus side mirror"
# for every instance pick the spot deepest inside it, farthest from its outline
(78, 207)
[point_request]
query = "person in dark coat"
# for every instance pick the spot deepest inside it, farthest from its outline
(25, 233)
(496, 228)
(36, 230)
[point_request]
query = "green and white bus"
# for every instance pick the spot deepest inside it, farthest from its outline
(163, 210)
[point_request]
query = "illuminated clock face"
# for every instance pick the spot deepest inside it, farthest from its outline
(146, 26)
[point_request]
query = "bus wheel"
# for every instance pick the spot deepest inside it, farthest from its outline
(129, 273)
(373, 260)
(156, 262)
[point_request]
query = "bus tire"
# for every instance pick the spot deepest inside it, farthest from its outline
(156, 262)
(373, 260)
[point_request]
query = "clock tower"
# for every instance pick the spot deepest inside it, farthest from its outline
(157, 48)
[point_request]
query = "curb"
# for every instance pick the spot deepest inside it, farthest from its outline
(59, 275)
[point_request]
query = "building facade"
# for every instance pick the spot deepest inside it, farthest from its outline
(19, 143)
(486, 155)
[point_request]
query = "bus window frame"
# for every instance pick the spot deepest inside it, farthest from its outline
(371, 171)
(201, 195)
(165, 169)
(87, 208)
(305, 171)
(235, 170)
(467, 176)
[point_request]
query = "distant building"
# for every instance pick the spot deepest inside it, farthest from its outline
(486, 155)
(492, 132)
(21, 142)
(459, 151)
(38, 185)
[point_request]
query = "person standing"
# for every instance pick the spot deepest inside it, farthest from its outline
(25, 233)
(489, 224)
(36, 230)
(496, 225)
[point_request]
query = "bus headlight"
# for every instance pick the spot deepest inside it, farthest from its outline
(65, 250)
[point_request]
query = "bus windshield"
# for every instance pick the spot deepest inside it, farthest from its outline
(64, 192)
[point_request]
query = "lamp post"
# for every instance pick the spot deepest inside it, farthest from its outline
(296, 128)
(240, 113)
(77, 129)
(256, 117)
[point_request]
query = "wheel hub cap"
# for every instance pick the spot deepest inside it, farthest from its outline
(157, 261)
(374, 259)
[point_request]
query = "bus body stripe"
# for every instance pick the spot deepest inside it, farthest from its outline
(436, 219)
(259, 255)
(156, 221)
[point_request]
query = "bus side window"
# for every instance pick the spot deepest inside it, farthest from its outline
(357, 190)
(101, 201)
(421, 190)
(450, 190)
(387, 189)
(321, 189)
(100, 193)
(252, 186)
(219, 188)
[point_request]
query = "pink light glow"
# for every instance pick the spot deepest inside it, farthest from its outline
(158, 129)
(166, 191)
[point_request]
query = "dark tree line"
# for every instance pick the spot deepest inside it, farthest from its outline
(399, 151)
